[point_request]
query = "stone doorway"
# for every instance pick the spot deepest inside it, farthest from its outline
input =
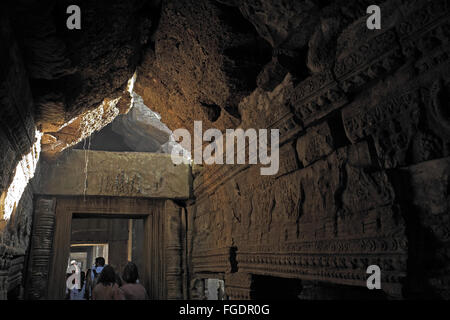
(48, 266)
(117, 240)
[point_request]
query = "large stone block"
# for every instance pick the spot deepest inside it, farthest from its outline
(124, 174)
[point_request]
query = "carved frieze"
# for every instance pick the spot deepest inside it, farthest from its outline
(392, 122)
(335, 261)
(316, 97)
(328, 221)
(376, 55)
(15, 272)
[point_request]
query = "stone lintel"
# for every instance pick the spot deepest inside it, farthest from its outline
(116, 174)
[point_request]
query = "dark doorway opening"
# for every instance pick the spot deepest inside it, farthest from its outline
(117, 240)
(275, 288)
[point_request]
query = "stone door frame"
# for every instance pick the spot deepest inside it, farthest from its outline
(151, 210)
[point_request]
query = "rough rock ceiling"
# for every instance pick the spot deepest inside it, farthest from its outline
(209, 55)
(79, 77)
(195, 59)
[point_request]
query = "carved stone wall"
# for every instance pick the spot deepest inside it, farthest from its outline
(362, 114)
(364, 123)
(17, 136)
(60, 83)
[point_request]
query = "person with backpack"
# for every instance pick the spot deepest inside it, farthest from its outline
(98, 266)
(92, 276)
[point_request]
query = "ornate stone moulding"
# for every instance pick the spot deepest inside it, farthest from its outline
(212, 260)
(316, 97)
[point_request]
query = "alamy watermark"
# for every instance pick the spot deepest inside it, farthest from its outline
(74, 20)
(74, 280)
(374, 280)
(374, 20)
(230, 148)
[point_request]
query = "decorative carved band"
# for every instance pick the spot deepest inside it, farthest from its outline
(215, 260)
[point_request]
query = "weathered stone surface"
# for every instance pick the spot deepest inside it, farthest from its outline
(293, 224)
(238, 286)
(197, 64)
(392, 122)
(272, 75)
(421, 32)
(377, 53)
(41, 248)
(80, 128)
(127, 174)
(289, 23)
(366, 109)
(316, 143)
(430, 181)
(76, 71)
(6, 255)
(407, 123)
(316, 97)
(428, 220)
(257, 109)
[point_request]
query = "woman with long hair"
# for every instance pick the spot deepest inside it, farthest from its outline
(107, 288)
(131, 288)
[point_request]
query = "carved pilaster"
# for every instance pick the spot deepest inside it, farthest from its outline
(6, 255)
(41, 248)
(173, 251)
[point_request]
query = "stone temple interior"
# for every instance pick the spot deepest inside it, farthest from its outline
(87, 131)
